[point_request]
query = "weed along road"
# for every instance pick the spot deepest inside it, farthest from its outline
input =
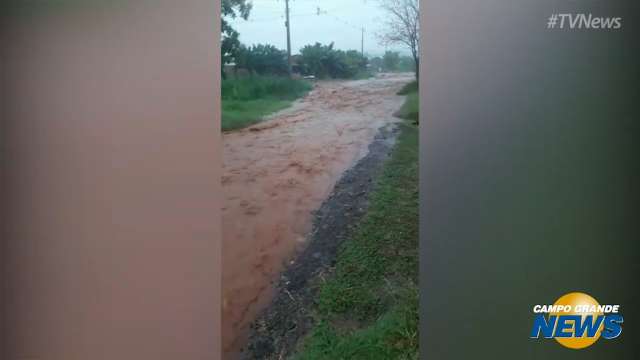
(277, 172)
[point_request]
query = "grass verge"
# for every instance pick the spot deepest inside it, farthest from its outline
(368, 308)
(411, 87)
(410, 108)
(245, 101)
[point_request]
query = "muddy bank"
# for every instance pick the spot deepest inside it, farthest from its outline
(277, 330)
(277, 173)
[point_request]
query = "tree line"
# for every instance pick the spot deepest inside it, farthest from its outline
(393, 61)
(321, 61)
(402, 27)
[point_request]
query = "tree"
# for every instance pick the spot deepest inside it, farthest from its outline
(263, 59)
(403, 26)
(230, 44)
(324, 61)
(390, 60)
(355, 63)
(406, 64)
(314, 59)
(376, 63)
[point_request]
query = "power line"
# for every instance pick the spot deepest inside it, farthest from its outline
(265, 19)
(319, 12)
(250, 19)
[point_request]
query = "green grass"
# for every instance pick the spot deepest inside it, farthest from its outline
(411, 87)
(237, 114)
(245, 101)
(368, 308)
(410, 108)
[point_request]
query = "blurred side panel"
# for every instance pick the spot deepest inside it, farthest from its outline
(529, 174)
(110, 180)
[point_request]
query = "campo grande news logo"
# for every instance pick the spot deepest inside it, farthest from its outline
(576, 321)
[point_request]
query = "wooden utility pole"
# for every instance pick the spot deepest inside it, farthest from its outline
(362, 43)
(288, 25)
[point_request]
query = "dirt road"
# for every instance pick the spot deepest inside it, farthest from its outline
(276, 173)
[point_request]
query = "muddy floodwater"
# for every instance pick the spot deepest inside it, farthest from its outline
(276, 173)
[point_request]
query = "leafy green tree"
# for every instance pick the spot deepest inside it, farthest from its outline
(324, 61)
(264, 59)
(376, 63)
(230, 44)
(406, 64)
(355, 63)
(391, 60)
(313, 59)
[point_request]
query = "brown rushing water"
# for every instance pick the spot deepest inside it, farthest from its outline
(276, 173)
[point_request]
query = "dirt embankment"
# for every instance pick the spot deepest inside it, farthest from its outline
(277, 173)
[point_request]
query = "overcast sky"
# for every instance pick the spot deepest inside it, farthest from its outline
(340, 21)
